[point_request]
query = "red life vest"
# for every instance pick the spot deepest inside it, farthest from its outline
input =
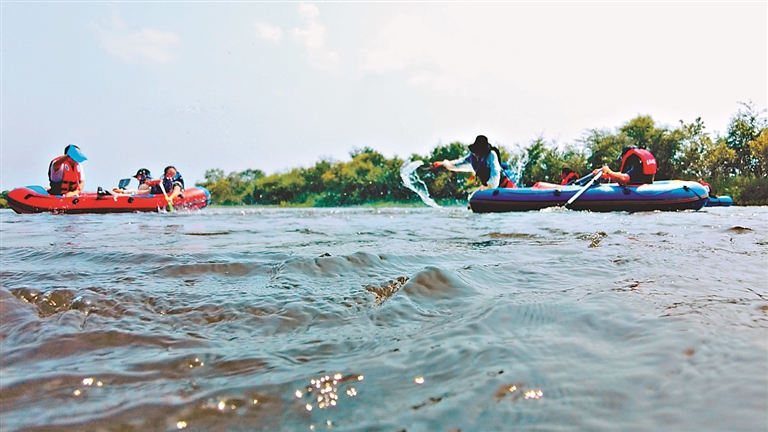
(506, 183)
(571, 176)
(64, 174)
(707, 186)
(646, 157)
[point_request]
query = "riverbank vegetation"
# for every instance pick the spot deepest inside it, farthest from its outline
(735, 164)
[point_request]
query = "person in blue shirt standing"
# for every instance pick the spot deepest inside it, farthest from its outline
(484, 161)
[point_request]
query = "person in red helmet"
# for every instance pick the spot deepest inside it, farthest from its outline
(65, 174)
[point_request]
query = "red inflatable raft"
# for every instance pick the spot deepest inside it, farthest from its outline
(36, 199)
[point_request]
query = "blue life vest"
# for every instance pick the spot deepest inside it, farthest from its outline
(169, 183)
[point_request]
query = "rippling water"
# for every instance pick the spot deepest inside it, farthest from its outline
(385, 319)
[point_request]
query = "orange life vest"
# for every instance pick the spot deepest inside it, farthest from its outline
(64, 174)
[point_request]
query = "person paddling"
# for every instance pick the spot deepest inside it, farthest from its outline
(484, 160)
(172, 183)
(142, 175)
(65, 173)
(638, 166)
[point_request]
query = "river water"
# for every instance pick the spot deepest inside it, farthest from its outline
(385, 319)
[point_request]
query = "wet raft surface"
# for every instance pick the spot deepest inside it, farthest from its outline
(385, 319)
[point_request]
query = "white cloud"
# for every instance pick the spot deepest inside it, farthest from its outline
(131, 45)
(308, 11)
(313, 38)
(440, 83)
(404, 41)
(268, 32)
(383, 61)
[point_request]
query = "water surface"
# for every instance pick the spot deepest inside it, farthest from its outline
(385, 319)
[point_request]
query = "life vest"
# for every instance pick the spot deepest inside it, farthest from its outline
(482, 169)
(571, 176)
(506, 183)
(64, 175)
(707, 186)
(168, 184)
(646, 158)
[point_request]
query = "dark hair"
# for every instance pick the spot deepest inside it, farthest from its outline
(626, 149)
(566, 170)
(142, 171)
(165, 170)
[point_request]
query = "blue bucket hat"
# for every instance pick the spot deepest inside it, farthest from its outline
(74, 152)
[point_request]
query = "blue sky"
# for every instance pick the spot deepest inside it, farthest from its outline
(273, 86)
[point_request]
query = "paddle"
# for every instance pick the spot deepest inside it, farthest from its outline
(122, 184)
(170, 204)
(428, 167)
(582, 181)
(583, 189)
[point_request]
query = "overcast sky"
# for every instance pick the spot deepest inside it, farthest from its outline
(273, 86)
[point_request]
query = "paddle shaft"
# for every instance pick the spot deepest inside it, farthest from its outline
(582, 190)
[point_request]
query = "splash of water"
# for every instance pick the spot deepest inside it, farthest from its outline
(516, 174)
(413, 182)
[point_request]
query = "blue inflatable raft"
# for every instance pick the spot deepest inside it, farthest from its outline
(721, 201)
(670, 195)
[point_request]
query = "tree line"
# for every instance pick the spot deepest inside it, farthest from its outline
(735, 163)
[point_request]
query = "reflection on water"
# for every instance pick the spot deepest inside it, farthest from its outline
(385, 319)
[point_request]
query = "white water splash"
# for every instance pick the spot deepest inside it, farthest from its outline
(414, 183)
(517, 174)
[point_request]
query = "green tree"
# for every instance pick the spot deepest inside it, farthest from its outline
(641, 131)
(234, 188)
(695, 143)
(282, 188)
(368, 177)
(720, 160)
(759, 149)
(664, 144)
(575, 158)
(535, 168)
(603, 148)
(745, 126)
